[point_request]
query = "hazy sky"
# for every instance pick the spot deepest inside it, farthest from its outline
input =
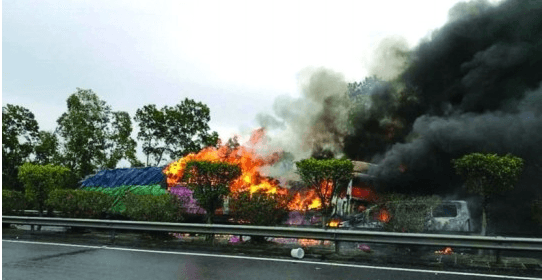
(234, 56)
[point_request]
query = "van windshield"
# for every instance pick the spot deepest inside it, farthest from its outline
(445, 210)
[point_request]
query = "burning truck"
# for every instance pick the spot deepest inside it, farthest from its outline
(357, 205)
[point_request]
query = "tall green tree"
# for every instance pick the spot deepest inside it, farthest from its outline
(120, 143)
(210, 183)
(488, 175)
(19, 135)
(152, 132)
(325, 177)
(46, 149)
(94, 136)
(175, 131)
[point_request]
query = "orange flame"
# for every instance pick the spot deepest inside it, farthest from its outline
(247, 159)
(384, 215)
(304, 201)
(250, 180)
(446, 251)
(310, 199)
(334, 223)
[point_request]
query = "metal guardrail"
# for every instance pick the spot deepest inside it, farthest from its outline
(481, 242)
(36, 212)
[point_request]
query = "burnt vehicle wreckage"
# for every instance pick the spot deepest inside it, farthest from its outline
(358, 206)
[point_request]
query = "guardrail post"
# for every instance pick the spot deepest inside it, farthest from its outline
(498, 256)
(112, 235)
(337, 244)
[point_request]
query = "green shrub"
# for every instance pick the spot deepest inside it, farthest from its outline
(259, 208)
(118, 193)
(157, 208)
(40, 180)
(13, 202)
(408, 214)
(80, 203)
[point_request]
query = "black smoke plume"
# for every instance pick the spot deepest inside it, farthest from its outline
(473, 86)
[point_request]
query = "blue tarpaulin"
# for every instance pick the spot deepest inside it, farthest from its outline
(125, 177)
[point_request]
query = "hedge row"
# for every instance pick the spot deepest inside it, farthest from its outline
(158, 208)
(79, 203)
(95, 204)
(119, 193)
(12, 202)
(134, 202)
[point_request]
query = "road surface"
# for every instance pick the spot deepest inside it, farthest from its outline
(37, 260)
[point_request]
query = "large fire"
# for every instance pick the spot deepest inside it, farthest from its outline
(251, 179)
(310, 199)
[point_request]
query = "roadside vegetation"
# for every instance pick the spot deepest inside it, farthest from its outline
(80, 203)
(13, 202)
(41, 170)
(488, 175)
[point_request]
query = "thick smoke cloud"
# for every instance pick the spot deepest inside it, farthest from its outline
(315, 121)
(474, 86)
(477, 72)
(389, 59)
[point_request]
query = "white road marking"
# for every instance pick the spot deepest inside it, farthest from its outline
(52, 243)
(280, 260)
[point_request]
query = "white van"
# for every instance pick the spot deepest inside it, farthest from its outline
(451, 215)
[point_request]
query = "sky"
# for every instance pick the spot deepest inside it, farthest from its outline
(234, 56)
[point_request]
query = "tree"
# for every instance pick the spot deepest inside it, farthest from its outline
(46, 148)
(152, 131)
(364, 88)
(19, 134)
(40, 180)
(94, 136)
(176, 131)
(325, 177)
(210, 183)
(121, 143)
(233, 143)
(488, 175)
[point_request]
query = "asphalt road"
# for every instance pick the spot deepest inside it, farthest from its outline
(36, 260)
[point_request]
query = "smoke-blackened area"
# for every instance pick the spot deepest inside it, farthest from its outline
(474, 86)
